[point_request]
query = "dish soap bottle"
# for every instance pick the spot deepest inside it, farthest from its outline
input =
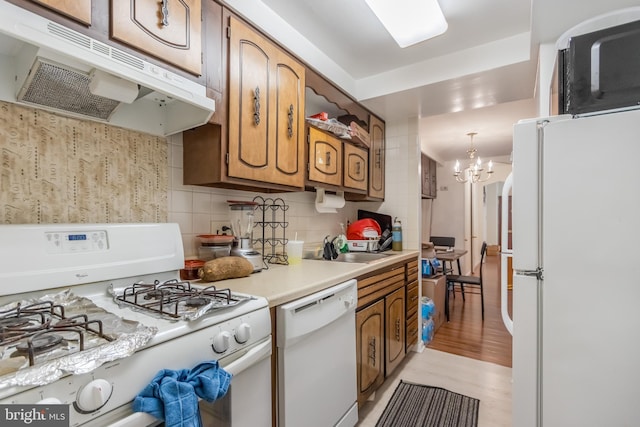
(340, 242)
(396, 233)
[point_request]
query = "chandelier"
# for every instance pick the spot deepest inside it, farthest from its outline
(473, 173)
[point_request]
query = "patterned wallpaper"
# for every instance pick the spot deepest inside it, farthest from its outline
(56, 169)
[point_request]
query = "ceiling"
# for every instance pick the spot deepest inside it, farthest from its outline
(479, 76)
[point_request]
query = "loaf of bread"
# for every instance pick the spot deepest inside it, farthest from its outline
(229, 267)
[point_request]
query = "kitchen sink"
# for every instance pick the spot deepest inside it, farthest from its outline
(363, 257)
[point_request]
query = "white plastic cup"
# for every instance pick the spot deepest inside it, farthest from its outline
(294, 251)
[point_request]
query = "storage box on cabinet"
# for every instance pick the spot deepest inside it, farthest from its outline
(435, 288)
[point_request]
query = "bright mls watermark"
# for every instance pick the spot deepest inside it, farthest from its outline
(34, 415)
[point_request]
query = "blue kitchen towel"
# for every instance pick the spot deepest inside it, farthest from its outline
(172, 396)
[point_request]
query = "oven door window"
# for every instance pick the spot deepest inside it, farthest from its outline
(248, 401)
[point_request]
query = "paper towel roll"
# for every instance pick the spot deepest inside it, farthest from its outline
(328, 203)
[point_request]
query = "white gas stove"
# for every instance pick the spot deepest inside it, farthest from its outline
(109, 276)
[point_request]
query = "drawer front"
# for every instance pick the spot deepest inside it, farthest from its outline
(412, 331)
(412, 298)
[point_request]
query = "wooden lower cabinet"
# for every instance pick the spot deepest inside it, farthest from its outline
(395, 327)
(370, 349)
(380, 327)
(411, 303)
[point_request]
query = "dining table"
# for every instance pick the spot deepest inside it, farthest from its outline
(446, 255)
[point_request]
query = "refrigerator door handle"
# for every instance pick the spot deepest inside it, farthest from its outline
(504, 255)
(537, 273)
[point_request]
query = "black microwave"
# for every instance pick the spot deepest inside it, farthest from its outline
(600, 70)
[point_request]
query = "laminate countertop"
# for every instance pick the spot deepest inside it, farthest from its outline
(284, 283)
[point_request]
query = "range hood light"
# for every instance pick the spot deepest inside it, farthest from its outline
(112, 87)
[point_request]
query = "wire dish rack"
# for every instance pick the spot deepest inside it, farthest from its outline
(271, 217)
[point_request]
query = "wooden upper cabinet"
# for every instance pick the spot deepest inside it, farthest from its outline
(80, 10)
(429, 182)
(356, 168)
(266, 110)
(325, 158)
(376, 158)
(170, 30)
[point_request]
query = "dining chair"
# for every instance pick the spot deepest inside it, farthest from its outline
(475, 282)
(444, 242)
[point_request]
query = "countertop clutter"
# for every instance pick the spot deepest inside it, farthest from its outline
(284, 283)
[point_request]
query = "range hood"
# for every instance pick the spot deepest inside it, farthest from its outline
(49, 66)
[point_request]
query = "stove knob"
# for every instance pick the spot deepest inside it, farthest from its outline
(243, 333)
(93, 396)
(221, 342)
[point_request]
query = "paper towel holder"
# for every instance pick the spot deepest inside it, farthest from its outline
(323, 206)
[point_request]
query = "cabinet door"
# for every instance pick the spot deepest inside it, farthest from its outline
(288, 118)
(80, 10)
(376, 158)
(429, 184)
(170, 30)
(355, 167)
(412, 314)
(325, 158)
(395, 330)
(426, 176)
(433, 182)
(266, 121)
(369, 349)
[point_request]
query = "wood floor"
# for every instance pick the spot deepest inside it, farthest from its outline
(466, 334)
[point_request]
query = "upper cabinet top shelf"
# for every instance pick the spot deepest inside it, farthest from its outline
(322, 87)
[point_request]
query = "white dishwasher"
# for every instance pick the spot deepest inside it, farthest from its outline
(316, 340)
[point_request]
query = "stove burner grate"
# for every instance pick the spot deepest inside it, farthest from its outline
(172, 298)
(34, 329)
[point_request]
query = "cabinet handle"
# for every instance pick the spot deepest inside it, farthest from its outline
(397, 329)
(290, 120)
(372, 350)
(357, 168)
(328, 157)
(256, 106)
(378, 157)
(164, 8)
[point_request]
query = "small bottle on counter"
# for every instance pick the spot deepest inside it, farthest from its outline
(396, 233)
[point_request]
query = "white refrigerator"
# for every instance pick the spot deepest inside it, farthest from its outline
(576, 261)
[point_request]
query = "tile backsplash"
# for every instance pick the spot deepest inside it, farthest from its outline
(195, 207)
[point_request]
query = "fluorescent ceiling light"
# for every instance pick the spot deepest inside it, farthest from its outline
(410, 21)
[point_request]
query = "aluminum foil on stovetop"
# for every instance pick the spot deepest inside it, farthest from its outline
(179, 310)
(125, 338)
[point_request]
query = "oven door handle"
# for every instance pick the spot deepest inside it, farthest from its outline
(250, 358)
(137, 419)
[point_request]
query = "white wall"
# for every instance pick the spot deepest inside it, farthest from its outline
(450, 212)
(491, 213)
